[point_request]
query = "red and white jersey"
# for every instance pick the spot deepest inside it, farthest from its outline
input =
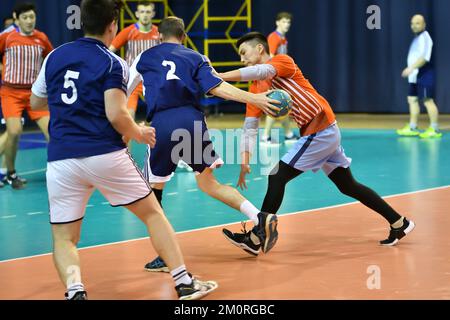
(23, 56)
(136, 41)
(310, 110)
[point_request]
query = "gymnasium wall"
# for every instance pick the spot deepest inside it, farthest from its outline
(356, 69)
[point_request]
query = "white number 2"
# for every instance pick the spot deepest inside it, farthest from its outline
(171, 73)
(68, 83)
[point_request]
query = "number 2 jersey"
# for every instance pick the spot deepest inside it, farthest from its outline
(173, 76)
(74, 78)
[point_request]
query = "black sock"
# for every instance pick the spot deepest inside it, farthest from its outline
(158, 194)
(343, 179)
(278, 179)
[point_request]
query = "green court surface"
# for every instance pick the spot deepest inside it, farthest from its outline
(388, 164)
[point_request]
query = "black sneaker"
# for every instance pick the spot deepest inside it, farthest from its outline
(196, 290)
(396, 234)
(80, 295)
(243, 240)
(266, 230)
(14, 180)
(157, 265)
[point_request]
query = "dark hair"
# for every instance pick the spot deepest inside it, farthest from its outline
(96, 15)
(255, 38)
(283, 15)
(23, 7)
(172, 27)
(145, 4)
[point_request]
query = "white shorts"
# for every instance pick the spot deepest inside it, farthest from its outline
(321, 150)
(71, 182)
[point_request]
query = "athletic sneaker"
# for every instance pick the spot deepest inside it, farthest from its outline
(396, 234)
(243, 240)
(80, 295)
(407, 131)
(1, 184)
(15, 181)
(266, 230)
(157, 265)
(431, 133)
(196, 290)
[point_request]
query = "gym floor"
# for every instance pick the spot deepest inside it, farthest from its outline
(328, 244)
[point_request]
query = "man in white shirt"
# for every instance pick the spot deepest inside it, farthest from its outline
(420, 76)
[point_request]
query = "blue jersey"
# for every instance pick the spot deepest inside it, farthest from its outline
(74, 78)
(173, 76)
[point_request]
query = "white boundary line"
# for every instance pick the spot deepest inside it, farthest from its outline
(229, 224)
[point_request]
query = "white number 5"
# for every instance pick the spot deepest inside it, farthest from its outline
(171, 73)
(68, 83)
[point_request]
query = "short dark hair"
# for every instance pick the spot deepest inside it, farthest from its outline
(284, 14)
(96, 15)
(172, 27)
(255, 38)
(145, 4)
(23, 7)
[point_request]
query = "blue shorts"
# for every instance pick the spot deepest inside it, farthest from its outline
(181, 134)
(321, 150)
(424, 88)
(421, 91)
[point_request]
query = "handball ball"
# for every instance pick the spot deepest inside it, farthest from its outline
(285, 105)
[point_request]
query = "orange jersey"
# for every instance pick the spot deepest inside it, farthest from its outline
(257, 86)
(310, 110)
(23, 56)
(136, 41)
(277, 43)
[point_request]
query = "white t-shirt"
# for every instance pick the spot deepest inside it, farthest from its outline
(421, 47)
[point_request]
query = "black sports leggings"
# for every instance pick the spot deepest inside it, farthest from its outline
(341, 177)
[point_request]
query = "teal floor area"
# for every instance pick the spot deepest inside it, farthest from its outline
(387, 163)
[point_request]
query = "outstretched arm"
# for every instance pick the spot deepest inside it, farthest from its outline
(260, 100)
(256, 72)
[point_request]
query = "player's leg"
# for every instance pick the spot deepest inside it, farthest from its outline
(68, 194)
(278, 179)
(121, 182)
(344, 181)
(410, 129)
(433, 113)
(14, 130)
(66, 259)
(42, 123)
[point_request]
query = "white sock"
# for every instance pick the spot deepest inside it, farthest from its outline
(435, 126)
(180, 275)
(398, 223)
(413, 125)
(3, 171)
(74, 288)
(250, 211)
